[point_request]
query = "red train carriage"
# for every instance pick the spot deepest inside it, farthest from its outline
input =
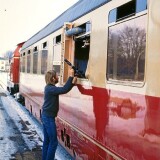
(113, 111)
(13, 78)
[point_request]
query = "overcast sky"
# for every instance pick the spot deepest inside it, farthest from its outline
(21, 19)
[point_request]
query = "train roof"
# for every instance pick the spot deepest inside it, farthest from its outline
(76, 11)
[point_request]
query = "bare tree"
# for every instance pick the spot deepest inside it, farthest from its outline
(132, 47)
(8, 55)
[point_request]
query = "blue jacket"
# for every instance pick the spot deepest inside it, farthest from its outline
(51, 97)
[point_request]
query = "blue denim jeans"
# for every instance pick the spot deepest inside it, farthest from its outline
(50, 142)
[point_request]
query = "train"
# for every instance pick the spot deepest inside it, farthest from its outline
(113, 111)
(14, 71)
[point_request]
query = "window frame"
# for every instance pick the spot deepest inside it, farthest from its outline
(126, 82)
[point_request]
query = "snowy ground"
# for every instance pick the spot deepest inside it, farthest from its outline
(19, 131)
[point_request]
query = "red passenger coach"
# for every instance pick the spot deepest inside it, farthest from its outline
(113, 112)
(13, 78)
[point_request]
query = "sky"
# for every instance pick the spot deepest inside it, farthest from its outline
(21, 19)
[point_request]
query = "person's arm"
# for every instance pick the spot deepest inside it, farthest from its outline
(67, 87)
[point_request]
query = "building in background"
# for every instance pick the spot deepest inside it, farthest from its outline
(4, 64)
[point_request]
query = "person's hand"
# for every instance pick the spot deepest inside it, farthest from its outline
(71, 72)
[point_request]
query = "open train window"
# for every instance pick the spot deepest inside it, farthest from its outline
(126, 50)
(44, 45)
(127, 10)
(57, 39)
(35, 49)
(82, 47)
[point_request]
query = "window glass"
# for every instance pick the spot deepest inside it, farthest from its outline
(35, 62)
(141, 5)
(23, 64)
(126, 10)
(112, 15)
(28, 63)
(126, 50)
(44, 56)
(57, 57)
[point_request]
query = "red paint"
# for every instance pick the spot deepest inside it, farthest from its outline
(126, 124)
(15, 64)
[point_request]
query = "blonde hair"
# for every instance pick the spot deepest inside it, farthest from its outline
(49, 76)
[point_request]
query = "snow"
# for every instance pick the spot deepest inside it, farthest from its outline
(22, 118)
(18, 113)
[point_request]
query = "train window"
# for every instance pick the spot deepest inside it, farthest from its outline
(56, 67)
(57, 54)
(28, 61)
(112, 15)
(44, 56)
(126, 50)
(23, 62)
(29, 52)
(35, 49)
(57, 39)
(127, 10)
(35, 62)
(141, 5)
(82, 47)
(44, 45)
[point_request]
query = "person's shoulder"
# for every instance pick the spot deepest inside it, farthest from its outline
(49, 86)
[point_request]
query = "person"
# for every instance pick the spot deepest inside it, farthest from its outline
(50, 110)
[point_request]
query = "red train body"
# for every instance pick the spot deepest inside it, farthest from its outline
(13, 78)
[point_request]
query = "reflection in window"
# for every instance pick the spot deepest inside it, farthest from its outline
(126, 50)
(57, 57)
(44, 56)
(35, 62)
(23, 64)
(57, 69)
(20, 62)
(28, 63)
